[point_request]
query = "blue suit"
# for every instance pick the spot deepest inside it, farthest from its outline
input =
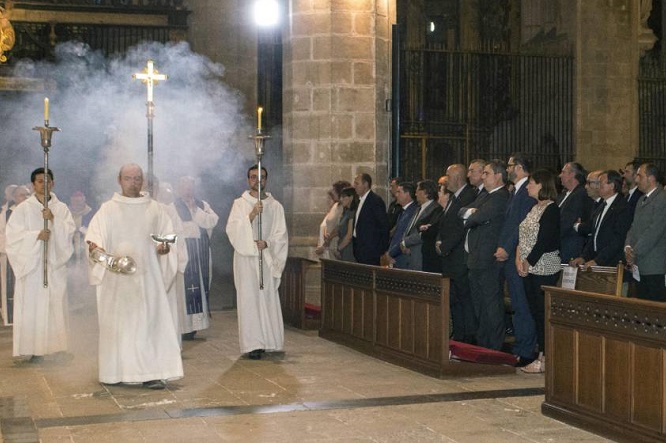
(404, 220)
(523, 323)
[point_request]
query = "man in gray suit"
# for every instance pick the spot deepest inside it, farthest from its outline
(411, 245)
(645, 245)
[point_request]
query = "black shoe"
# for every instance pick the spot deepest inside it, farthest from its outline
(521, 362)
(154, 384)
(256, 354)
(189, 335)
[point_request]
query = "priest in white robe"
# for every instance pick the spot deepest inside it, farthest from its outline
(259, 314)
(40, 313)
(138, 341)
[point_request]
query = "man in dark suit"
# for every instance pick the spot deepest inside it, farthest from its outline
(370, 236)
(456, 182)
(394, 208)
(584, 228)
(633, 193)
(404, 195)
(475, 175)
(574, 205)
(610, 224)
(520, 203)
(484, 219)
(450, 245)
(645, 245)
(633, 196)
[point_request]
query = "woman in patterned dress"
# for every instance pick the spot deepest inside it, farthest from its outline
(538, 255)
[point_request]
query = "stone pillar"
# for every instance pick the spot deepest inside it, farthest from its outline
(606, 89)
(336, 74)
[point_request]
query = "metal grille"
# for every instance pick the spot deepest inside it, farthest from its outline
(456, 106)
(32, 39)
(652, 113)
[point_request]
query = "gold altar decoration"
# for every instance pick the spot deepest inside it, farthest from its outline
(7, 35)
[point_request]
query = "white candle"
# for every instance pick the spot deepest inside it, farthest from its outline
(259, 111)
(46, 109)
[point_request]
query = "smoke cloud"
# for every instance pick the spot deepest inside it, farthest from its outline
(199, 128)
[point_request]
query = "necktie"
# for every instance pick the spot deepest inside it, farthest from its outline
(600, 213)
(644, 199)
(597, 222)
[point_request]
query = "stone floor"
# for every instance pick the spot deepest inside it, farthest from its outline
(316, 391)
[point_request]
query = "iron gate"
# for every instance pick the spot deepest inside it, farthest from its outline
(455, 106)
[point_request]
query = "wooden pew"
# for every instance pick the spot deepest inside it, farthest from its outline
(395, 315)
(606, 364)
(599, 279)
(293, 290)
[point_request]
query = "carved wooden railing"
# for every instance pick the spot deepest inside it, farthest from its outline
(293, 290)
(606, 364)
(395, 315)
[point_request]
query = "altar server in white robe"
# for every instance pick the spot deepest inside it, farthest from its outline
(40, 313)
(138, 341)
(259, 314)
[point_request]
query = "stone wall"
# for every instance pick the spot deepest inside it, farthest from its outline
(606, 132)
(336, 82)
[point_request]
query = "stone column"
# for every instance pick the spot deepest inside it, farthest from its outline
(336, 74)
(606, 108)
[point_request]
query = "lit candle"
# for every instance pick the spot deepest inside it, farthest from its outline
(46, 109)
(259, 111)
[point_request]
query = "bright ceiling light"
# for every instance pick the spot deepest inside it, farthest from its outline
(266, 13)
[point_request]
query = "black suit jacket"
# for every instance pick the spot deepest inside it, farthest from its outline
(635, 197)
(467, 195)
(451, 232)
(431, 261)
(612, 232)
(577, 205)
(372, 238)
(484, 227)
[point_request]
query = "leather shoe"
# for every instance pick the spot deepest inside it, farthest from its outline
(255, 355)
(154, 384)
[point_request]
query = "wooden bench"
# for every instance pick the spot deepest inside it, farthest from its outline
(606, 364)
(599, 279)
(293, 289)
(395, 315)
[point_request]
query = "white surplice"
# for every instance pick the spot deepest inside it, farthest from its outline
(138, 340)
(259, 314)
(176, 292)
(40, 314)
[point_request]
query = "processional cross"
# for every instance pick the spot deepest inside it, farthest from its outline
(150, 76)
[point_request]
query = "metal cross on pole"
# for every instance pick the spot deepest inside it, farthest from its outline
(150, 76)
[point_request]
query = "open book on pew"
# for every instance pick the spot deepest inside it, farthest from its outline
(599, 279)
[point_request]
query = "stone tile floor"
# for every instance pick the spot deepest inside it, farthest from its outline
(316, 391)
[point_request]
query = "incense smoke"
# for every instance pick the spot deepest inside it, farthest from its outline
(199, 128)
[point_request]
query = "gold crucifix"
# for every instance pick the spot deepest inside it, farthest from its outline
(150, 76)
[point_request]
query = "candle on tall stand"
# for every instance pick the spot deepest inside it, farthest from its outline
(46, 133)
(259, 139)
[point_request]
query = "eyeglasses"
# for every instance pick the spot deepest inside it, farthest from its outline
(593, 182)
